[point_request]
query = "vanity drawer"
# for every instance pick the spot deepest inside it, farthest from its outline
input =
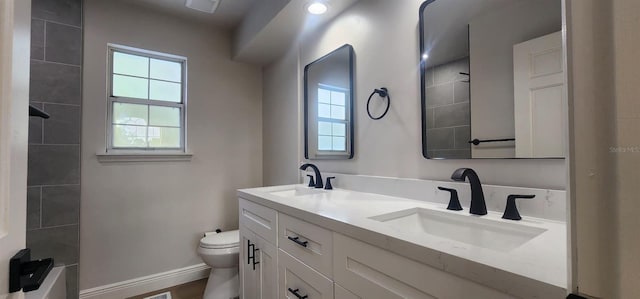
(296, 277)
(371, 272)
(261, 220)
(311, 244)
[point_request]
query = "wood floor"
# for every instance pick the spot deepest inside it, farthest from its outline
(191, 290)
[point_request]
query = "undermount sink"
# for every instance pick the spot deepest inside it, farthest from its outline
(297, 191)
(472, 230)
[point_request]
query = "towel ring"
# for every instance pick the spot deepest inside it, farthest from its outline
(382, 92)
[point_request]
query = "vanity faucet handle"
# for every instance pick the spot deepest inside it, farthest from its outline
(511, 211)
(328, 186)
(454, 202)
(312, 183)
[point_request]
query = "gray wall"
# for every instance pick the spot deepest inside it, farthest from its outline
(159, 210)
(53, 193)
(448, 119)
(391, 146)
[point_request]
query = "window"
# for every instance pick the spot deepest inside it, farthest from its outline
(146, 100)
(332, 122)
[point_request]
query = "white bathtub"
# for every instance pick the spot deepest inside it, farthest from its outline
(53, 287)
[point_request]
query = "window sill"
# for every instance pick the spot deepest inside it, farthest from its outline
(119, 157)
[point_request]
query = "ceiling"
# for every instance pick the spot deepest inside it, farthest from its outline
(228, 15)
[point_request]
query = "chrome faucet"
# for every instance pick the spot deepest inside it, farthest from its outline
(318, 180)
(478, 205)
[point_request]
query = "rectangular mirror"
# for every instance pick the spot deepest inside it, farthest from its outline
(328, 106)
(493, 81)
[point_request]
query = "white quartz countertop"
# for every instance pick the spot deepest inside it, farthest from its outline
(535, 269)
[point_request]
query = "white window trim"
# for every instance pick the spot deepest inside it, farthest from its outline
(112, 154)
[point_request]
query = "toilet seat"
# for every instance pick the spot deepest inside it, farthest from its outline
(228, 239)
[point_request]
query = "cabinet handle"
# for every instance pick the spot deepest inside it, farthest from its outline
(295, 293)
(297, 241)
(249, 252)
(254, 258)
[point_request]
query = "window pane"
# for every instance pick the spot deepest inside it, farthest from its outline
(128, 64)
(324, 128)
(164, 116)
(324, 143)
(164, 137)
(339, 129)
(166, 70)
(337, 112)
(165, 91)
(129, 136)
(324, 96)
(337, 98)
(339, 144)
(131, 87)
(324, 110)
(130, 114)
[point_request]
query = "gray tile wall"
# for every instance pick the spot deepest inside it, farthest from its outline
(53, 195)
(448, 110)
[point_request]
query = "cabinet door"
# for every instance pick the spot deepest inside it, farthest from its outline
(298, 280)
(373, 273)
(342, 293)
(248, 277)
(258, 267)
(266, 269)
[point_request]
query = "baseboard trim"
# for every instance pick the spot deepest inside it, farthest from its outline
(141, 285)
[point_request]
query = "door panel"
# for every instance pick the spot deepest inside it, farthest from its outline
(257, 281)
(15, 25)
(539, 97)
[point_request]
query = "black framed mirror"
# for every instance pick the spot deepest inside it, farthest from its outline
(493, 81)
(328, 106)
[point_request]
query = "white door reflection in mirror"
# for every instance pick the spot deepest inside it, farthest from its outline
(539, 96)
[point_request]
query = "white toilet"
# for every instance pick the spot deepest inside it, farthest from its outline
(220, 252)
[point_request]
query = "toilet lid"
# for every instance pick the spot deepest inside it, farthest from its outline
(221, 240)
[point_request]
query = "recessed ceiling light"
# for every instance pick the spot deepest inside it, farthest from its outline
(317, 8)
(208, 6)
(425, 56)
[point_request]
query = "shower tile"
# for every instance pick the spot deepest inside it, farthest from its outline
(452, 115)
(59, 243)
(460, 92)
(37, 39)
(440, 95)
(64, 125)
(463, 135)
(60, 205)
(53, 164)
(63, 44)
(60, 11)
(33, 207)
(440, 138)
(55, 83)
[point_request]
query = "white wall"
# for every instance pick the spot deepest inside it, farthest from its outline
(139, 219)
(384, 35)
(491, 40)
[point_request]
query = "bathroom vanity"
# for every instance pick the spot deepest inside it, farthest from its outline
(300, 242)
